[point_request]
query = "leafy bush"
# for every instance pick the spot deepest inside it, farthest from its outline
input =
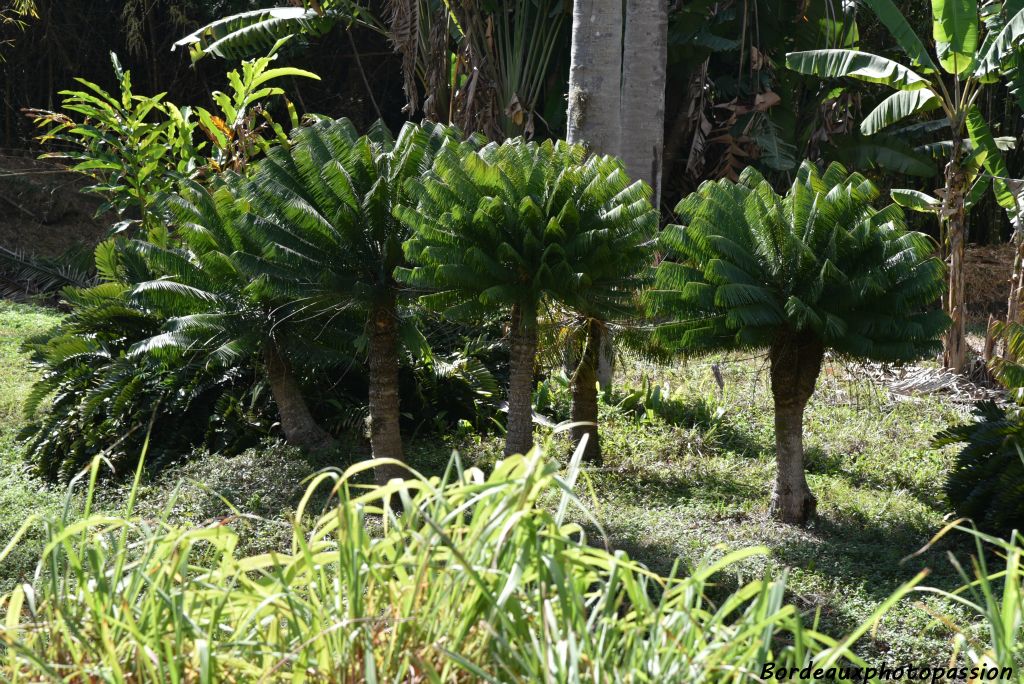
(136, 147)
(474, 580)
(986, 484)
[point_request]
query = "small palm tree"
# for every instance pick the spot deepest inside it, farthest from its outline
(219, 297)
(817, 270)
(521, 225)
(322, 208)
(94, 396)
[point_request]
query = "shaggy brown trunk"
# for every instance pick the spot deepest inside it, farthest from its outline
(385, 437)
(1016, 280)
(989, 350)
(584, 396)
(795, 365)
(606, 361)
(523, 347)
(299, 427)
(954, 347)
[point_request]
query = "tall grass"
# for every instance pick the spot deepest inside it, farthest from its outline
(995, 596)
(465, 577)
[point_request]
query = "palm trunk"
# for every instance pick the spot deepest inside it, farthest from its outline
(644, 59)
(299, 427)
(584, 396)
(1013, 303)
(795, 365)
(385, 435)
(954, 348)
(606, 361)
(523, 343)
(595, 75)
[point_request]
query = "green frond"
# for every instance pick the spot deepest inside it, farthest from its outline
(819, 260)
(524, 222)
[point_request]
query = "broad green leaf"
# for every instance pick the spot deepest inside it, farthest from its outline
(271, 74)
(1001, 46)
(977, 191)
(981, 137)
(241, 35)
(955, 29)
(860, 65)
(915, 200)
(901, 30)
(898, 106)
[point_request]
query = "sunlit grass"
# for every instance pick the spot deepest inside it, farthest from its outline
(468, 578)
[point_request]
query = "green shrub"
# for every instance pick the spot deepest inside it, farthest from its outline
(474, 580)
(986, 484)
(94, 396)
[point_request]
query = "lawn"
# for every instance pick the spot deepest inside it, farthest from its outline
(687, 475)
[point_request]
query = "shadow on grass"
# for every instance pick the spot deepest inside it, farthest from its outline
(831, 462)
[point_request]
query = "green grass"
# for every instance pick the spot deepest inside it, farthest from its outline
(20, 494)
(697, 474)
(686, 479)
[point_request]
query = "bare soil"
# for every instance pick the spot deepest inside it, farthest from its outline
(42, 209)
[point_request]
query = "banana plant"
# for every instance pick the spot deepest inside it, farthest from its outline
(969, 54)
(240, 35)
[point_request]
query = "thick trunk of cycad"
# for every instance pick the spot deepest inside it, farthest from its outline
(642, 109)
(299, 427)
(385, 437)
(595, 71)
(954, 344)
(584, 396)
(523, 352)
(795, 362)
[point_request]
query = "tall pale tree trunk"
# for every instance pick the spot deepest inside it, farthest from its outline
(584, 395)
(595, 72)
(954, 344)
(795, 362)
(523, 347)
(299, 427)
(617, 106)
(385, 437)
(595, 95)
(642, 109)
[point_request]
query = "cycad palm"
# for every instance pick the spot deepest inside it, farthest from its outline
(99, 398)
(225, 300)
(815, 270)
(519, 225)
(323, 206)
